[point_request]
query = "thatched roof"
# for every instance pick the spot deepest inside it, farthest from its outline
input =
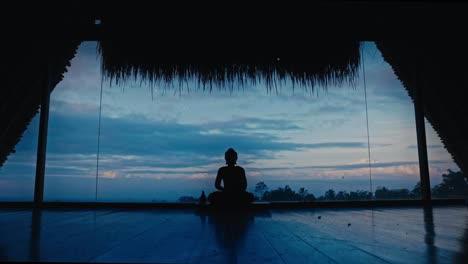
(26, 65)
(439, 67)
(316, 44)
(224, 64)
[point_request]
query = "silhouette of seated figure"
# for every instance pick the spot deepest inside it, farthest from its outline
(234, 183)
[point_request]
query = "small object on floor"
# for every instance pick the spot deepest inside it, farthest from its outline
(319, 217)
(349, 224)
(202, 199)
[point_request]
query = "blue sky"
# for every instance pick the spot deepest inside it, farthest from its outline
(167, 143)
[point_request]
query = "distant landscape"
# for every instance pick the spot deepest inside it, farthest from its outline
(454, 184)
(159, 146)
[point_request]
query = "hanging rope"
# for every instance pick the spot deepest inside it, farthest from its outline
(367, 118)
(99, 138)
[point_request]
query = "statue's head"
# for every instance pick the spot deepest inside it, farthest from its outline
(230, 156)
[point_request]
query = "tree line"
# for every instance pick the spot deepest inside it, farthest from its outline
(454, 184)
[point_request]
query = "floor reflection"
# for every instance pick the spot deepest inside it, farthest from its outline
(227, 236)
(35, 241)
(231, 228)
(462, 256)
(430, 234)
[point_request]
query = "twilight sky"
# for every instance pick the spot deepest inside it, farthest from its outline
(171, 144)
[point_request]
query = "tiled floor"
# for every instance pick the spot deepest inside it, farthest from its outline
(379, 235)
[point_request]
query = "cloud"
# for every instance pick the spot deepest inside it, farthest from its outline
(255, 173)
(62, 106)
(201, 176)
(336, 145)
(122, 136)
(84, 71)
(358, 165)
(137, 147)
(242, 123)
(110, 174)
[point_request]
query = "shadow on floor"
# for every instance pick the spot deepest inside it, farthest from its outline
(231, 227)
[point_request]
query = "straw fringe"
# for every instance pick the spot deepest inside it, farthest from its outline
(325, 64)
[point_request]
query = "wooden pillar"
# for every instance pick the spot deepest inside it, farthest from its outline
(421, 138)
(42, 140)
